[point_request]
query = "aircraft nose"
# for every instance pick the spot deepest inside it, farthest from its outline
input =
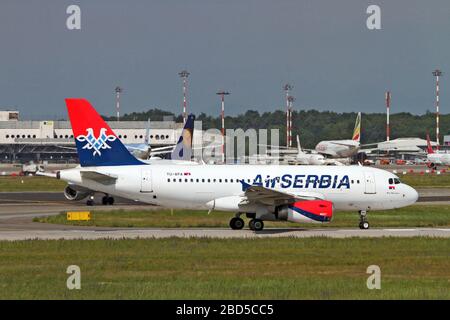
(411, 195)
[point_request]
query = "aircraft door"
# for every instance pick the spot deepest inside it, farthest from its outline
(146, 180)
(369, 183)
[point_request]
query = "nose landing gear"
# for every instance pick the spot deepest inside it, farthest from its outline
(363, 222)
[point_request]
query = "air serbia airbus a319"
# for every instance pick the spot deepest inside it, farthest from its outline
(261, 192)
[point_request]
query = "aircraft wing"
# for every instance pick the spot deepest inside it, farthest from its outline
(98, 177)
(266, 196)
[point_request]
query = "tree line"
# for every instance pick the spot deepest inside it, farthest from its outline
(314, 126)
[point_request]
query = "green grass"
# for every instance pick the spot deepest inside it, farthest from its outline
(414, 216)
(30, 183)
(11, 184)
(426, 180)
(282, 268)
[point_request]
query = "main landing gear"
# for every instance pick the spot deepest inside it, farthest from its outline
(256, 224)
(363, 222)
(237, 223)
(106, 200)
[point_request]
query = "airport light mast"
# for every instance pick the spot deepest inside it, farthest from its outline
(388, 105)
(118, 91)
(291, 99)
(287, 88)
(437, 73)
(223, 94)
(184, 75)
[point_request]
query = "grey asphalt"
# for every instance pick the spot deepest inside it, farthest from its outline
(17, 211)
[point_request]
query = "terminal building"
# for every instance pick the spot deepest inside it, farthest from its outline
(52, 141)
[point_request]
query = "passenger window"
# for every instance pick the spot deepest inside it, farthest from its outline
(197, 180)
(231, 180)
(203, 180)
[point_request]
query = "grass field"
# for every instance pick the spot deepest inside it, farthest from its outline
(30, 183)
(12, 184)
(414, 216)
(315, 268)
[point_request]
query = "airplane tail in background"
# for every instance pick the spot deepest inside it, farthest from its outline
(183, 149)
(97, 145)
(299, 146)
(429, 147)
(147, 133)
(357, 130)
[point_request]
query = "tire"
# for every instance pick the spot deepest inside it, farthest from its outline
(90, 202)
(110, 201)
(258, 225)
(251, 224)
(236, 223)
(105, 200)
(364, 225)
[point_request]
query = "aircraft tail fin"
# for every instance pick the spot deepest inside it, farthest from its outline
(147, 133)
(357, 130)
(183, 149)
(97, 144)
(429, 147)
(299, 146)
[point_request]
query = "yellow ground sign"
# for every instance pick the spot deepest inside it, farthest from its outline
(79, 215)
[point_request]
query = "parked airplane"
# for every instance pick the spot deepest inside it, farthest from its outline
(180, 151)
(435, 158)
(262, 192)
(342, 148)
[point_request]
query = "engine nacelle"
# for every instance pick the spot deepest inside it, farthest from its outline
(309, 211)
(73, 194)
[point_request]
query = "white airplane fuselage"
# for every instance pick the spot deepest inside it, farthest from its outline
(338, 148)
(442, 159)
(219, 187)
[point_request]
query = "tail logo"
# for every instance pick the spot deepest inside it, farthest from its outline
(96, 143)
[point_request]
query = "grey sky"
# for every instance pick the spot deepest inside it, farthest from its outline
(247, 47)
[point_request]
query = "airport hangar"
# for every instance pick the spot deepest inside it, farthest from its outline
(52, 141)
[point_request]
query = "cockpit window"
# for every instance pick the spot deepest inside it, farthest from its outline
(391, 181)
(397, 181)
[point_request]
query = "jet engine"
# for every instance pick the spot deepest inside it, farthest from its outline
(73, 193)
(309, 211)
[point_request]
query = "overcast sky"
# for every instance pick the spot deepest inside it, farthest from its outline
(250, 48)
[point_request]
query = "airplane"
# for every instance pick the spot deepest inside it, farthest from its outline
(181, 154)
(261, 192)
(435, 158)
(145, 151)
(342, 148)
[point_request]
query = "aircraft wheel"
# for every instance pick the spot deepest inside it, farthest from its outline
(90, 202)
(364, 225)
(110, 201)
(256, 224)
(105, 200)
(236, 223)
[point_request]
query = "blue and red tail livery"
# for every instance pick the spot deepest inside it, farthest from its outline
(97, 145)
